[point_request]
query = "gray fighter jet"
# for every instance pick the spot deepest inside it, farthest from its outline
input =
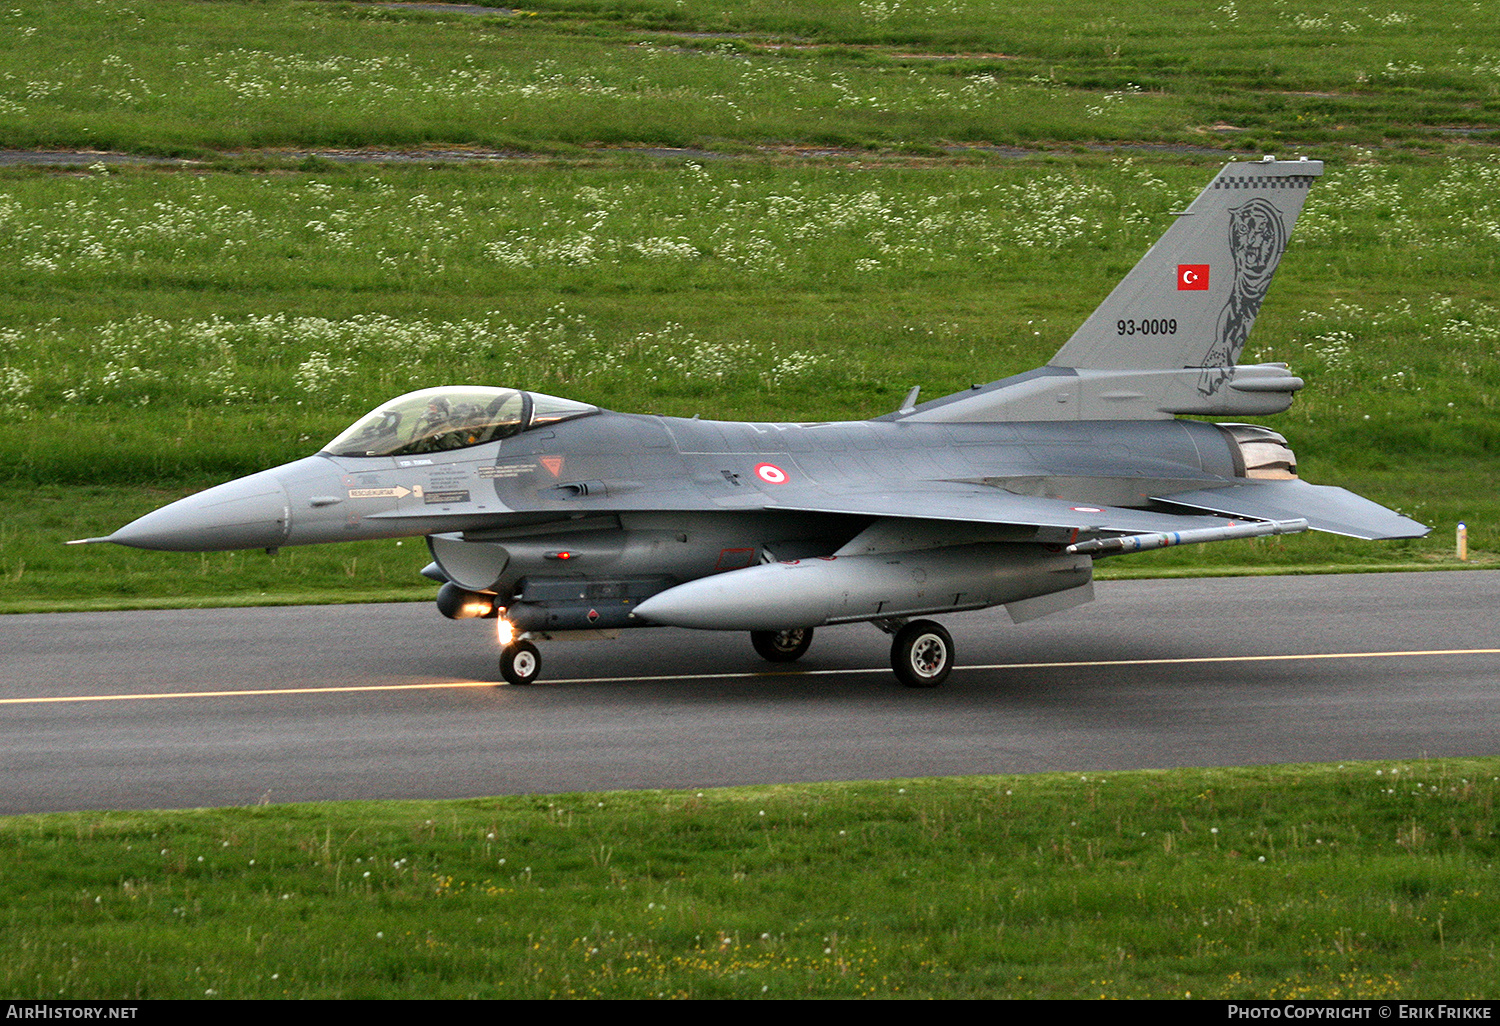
(557, 517)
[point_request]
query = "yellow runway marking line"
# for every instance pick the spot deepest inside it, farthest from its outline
(256, 692)
(439, 685)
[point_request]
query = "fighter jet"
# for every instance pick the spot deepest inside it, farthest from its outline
(559, 518)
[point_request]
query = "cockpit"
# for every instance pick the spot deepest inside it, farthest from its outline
(451, 417)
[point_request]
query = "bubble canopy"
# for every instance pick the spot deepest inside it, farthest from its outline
(451, 417)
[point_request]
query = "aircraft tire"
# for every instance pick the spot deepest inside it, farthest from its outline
(922, 654)
(782, 646)
(520, 662)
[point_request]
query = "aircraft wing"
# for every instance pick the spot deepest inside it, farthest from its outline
(961, 502)
(1325, 508)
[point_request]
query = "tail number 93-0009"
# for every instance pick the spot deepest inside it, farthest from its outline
(1148, 327)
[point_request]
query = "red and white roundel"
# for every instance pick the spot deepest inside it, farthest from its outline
(770, 473)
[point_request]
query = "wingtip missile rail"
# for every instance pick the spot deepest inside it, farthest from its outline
(1167, 539)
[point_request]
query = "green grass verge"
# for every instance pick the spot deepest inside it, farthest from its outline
(1364, 880)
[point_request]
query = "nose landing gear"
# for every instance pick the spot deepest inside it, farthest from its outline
(520, 662)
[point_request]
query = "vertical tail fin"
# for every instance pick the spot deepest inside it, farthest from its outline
(1192, 299)
(1167, 340)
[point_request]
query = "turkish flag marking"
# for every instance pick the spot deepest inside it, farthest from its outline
(1192, 277)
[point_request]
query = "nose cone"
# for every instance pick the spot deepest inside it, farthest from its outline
(251, 513)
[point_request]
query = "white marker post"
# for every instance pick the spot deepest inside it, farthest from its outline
(1463, 542)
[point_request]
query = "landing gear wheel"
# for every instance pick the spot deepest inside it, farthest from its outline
(520, 662)
(922, 654)
(782, 646)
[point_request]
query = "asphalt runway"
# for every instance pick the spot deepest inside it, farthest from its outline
(185, 708)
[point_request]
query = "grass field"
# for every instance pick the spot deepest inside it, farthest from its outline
(1363, 881)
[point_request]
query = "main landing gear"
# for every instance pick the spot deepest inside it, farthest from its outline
(921, 653)
(782, 646)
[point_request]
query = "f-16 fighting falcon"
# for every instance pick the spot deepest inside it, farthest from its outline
(556, 517)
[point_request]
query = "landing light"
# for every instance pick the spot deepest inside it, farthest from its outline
(505, 631)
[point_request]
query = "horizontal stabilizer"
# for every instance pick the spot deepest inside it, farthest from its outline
(1324, 508)
(1063, 393)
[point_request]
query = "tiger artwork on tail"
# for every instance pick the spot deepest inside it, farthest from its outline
(1257, 237)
